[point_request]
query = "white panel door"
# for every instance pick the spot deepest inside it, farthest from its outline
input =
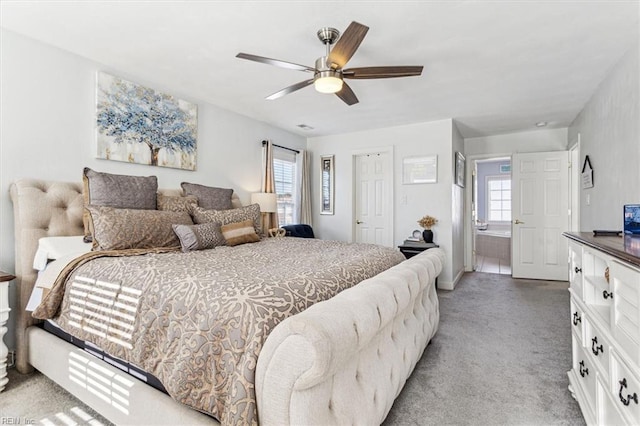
(540, 213)
(373, 179)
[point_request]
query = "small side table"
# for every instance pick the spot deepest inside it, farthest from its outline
(4, 317)
(411, 248)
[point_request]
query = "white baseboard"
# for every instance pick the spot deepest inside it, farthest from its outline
(450, 285)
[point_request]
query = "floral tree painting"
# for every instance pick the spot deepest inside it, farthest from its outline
(141, 125)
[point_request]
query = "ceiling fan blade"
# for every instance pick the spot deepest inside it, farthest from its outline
(290, 89)
(347, 95)
(382, 72)
(347, 45)
(275, 62)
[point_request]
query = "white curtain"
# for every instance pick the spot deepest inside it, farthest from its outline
(269, 220)
(304, 188)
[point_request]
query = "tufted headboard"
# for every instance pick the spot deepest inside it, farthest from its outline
(45, 209)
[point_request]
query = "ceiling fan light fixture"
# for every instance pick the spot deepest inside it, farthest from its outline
(328, 84)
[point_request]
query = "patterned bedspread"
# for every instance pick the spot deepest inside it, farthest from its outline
(198, 320)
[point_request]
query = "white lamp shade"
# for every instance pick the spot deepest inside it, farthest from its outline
(268, 202)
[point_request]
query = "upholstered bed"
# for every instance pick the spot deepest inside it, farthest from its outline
(342, 360)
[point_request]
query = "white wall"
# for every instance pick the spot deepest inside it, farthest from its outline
(457, 214)
(432, 138)
(47, 132)
(539, 140)
(609, 128)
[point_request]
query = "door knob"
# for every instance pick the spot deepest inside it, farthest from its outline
(359, 222)
(517, 222)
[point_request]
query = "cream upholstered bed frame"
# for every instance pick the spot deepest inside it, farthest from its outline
(341, 361)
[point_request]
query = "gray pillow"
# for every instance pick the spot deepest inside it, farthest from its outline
(209, 197)
(120, 191)
(199, 237)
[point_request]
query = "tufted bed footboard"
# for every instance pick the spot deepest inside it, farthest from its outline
(345, 360)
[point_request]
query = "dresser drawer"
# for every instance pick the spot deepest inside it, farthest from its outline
(577, 321)
(598, 347)
(608, 412)
(585, 373)
(575, 269)
(625, 388)
(626, 312)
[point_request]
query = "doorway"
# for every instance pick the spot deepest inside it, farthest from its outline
(373, 196)
(492, 215)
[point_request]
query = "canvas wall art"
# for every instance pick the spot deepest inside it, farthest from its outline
(140, 125)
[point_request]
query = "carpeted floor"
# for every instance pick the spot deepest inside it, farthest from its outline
(500, 358)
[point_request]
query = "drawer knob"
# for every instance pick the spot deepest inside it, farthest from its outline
(578, 270)
(576, 318)
(629, 398)
(594, 346)
(583, 370)
(607, 295)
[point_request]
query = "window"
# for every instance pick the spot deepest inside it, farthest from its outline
(499, 198)
(285, 174)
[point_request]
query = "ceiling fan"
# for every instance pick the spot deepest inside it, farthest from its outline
(329, 72)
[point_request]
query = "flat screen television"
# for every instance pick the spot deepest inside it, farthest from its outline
(632, 219)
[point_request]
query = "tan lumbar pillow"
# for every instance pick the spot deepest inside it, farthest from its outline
(239, 233)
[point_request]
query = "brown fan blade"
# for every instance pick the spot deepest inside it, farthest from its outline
(382, 72)
(347, 95)
(275, 62)
(347, 45)
(290, 89)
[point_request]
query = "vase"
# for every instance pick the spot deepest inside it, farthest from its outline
(427, 234)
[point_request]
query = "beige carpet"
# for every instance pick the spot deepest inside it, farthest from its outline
(500, 358)
(34, 399)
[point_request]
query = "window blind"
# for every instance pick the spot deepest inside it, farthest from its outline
(284, 171)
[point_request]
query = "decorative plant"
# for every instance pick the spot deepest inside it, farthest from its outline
(427, 222)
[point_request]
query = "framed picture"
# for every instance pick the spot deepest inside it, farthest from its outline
(327, 184)
(137, 124)
(420, 169)
(459, 170)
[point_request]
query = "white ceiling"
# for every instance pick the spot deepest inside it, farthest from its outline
(494, 66)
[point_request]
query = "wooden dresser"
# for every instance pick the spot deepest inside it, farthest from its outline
(605, 321)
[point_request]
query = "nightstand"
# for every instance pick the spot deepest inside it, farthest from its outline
(4, 317)
(411, 248)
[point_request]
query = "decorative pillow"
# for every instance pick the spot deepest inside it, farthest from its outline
(209, 197)
(224, 217)
(239, 233)
(199, 237)
(117, 229)
(121, 191)
(176, 203)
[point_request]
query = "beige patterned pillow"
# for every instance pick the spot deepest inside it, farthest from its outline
(224, 217)
(239, 233)
(121, 191)
(118, 229)
(199, 237)
(176, 203)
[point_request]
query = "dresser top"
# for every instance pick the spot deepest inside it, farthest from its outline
(625, 248)
(5, 277)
